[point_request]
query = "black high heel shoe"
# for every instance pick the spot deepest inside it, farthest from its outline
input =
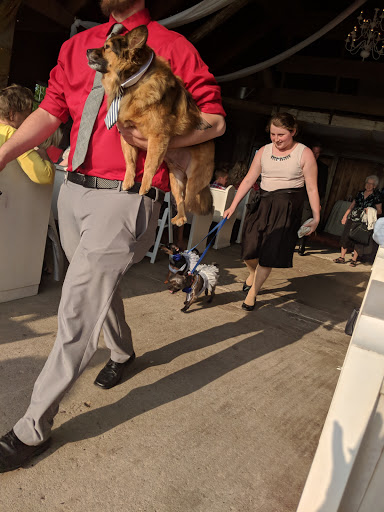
(247, 307)
(246, 287)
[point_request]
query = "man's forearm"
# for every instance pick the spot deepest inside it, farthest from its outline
(213, 126)
(34, 130)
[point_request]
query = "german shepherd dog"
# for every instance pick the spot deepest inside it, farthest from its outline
(160, 107)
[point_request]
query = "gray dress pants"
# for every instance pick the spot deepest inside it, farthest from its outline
(103, 233)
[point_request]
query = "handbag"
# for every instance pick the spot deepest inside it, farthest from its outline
(360, 234)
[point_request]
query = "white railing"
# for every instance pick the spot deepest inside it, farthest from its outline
(347, 472)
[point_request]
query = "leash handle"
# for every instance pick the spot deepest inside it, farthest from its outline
(217, 229)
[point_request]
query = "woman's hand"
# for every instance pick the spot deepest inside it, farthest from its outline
(42, 153)
(133, 136)
(227, 214)
(313, 225)
(344, 219)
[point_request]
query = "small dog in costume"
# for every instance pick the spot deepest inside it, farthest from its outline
(179, 261)
(203, 280)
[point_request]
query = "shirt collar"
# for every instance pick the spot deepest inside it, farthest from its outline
(139, 18)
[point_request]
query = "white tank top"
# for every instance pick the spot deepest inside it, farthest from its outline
(285, 172)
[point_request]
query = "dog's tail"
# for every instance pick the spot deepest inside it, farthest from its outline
(200, 203)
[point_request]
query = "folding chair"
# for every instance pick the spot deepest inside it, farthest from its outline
(163, 222)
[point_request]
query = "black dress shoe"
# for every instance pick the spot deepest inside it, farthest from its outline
(112, 373)
(246, 287)
(247, 307)
(14, 453)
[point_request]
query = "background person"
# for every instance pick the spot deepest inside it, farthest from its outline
(15, 106)
(270, 229)
(322, 178)
(369, 197)
(110, 230)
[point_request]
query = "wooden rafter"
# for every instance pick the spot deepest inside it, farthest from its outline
(53, 10)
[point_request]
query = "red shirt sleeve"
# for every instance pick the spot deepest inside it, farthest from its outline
(188, 65)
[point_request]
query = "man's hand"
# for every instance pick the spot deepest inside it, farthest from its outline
(133, 136)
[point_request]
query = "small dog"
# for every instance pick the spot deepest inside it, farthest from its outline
(205, 280)
(160, 107)
(179, 261)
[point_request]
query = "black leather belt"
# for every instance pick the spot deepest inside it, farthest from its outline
(102, 183)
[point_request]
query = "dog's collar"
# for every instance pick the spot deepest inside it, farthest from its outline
(175, 270)
(136, 77)
(113, 111)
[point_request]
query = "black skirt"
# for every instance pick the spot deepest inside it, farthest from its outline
(271, 225)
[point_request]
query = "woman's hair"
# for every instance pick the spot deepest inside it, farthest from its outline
(283, 120)
(374, 178)
(53, 140)
(14, 98)
(237, 173)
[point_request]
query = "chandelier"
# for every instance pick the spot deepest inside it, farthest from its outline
(366, 38)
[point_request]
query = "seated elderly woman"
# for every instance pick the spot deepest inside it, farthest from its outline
(15, 107)
(367, 198)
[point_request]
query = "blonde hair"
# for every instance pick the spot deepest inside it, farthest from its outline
(14, 98)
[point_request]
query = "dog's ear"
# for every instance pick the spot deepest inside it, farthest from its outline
(137, 37)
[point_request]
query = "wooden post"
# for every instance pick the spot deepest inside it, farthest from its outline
(8, 12)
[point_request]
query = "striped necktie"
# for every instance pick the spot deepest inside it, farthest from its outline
(90, 111)
(113, 111)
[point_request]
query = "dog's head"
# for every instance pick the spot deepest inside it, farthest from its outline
(179, 281)
(123, 55)
(170, 249)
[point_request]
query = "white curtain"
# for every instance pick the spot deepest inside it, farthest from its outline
(284, 55)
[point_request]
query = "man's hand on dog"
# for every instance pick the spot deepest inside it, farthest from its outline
(133, 136)
(180, 157)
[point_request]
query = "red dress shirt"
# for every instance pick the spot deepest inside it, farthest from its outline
(71, 80)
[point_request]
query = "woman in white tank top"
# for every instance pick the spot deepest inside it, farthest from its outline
(270, 229)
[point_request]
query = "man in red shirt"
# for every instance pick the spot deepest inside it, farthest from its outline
(103, 229)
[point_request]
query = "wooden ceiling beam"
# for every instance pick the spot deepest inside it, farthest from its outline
(332, 67)
(366, 105)
(53, 10)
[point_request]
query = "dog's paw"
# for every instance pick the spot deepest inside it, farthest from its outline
(128, 183)
(179, 221)
(145, 186)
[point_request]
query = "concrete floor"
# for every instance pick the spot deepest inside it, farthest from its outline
(222, 411)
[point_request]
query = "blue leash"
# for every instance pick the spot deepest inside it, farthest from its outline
(217, 229)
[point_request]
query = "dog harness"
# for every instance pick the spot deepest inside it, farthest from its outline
(191, 259)
(209, 275)
(113, 111)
